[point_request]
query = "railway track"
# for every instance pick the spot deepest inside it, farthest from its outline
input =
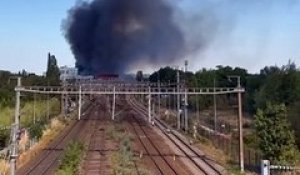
(198, 160)
(95, 160)
(48, 159)
(160, 162)
(91, 129)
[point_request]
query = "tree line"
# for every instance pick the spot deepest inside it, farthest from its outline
(8, 81)
(273, 84)
(272, 98)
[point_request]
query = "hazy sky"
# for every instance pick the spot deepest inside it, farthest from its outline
(245, 33)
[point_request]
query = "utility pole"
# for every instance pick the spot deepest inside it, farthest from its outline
(174, 100)
(64, 99)
(65, 104)
(169, 99)
(178, 99)
(158, 94)
(240, 118)
(114, 104)
(149, 105)
(15, 128)
(62, 107)
(186, 119)
(197, 103)
(34, 104)
(215, 106)
(79, 103)
(48, 107)
(90, 89)
(241, 127)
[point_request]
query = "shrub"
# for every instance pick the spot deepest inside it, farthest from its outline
(71, 158)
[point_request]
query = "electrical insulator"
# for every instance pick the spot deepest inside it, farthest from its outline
(281, 167)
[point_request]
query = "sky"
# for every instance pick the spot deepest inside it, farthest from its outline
(244, 33)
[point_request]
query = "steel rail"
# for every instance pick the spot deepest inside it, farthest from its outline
(55, 144)
(163, 128)
(155, 163)
(154, 146)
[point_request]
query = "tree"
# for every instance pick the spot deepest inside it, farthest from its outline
(280, 85)
(275, 139)
(293, 116)
(52, 73)
(139, 76)
(165, 75)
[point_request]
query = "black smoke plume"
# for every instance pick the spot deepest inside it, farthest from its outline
(106, 36)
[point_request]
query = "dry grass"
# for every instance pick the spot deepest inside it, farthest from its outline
(53, 129)
(214, 153)
(4, 167)
(23, 142)
(49, 134)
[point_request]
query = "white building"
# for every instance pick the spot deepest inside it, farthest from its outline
(68, 73)
(71, 73)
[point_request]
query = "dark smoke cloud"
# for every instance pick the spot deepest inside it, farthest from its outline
(106, 36)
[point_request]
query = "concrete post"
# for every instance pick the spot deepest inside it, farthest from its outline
(90, 90)
(240, 119)
(114, 104)
(65, 105)
(15, 128)
(79, 104)
(149, 105)
(159, 102)
(34, 105)
(186, 117)
(241, 131)
(48, 107)
(178, 100)
(215, 106)
(62, 104)
(197, 106)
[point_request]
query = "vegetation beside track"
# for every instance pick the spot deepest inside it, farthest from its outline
(48, 134)
(115, 132)
(27, 118)
(123, 160)
(28, 110)
(71, 159)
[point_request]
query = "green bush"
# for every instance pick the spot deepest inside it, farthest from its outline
(66, 171)
(4, 137)
(123, 159)
(71, 158)
(276, 140)
(36, 130)
(115, 132)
